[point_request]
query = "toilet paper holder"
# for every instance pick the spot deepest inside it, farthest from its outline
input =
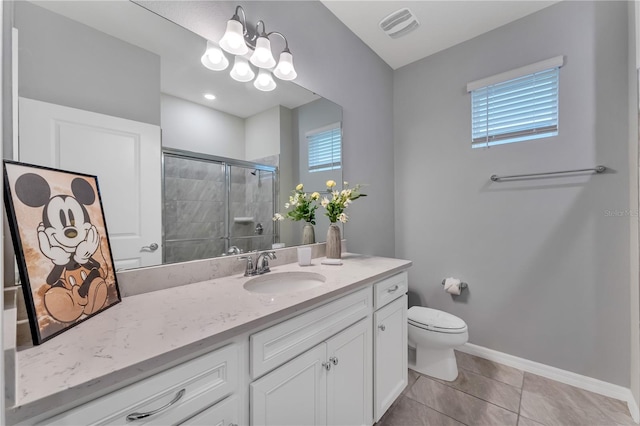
(463, 286)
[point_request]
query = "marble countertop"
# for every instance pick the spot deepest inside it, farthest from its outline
(149, 331)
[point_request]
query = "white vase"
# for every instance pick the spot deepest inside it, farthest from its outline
(334, 242)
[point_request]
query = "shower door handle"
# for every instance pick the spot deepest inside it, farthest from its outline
(150, 247)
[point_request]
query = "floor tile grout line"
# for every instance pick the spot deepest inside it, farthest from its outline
(466, 393)
(520, 402)
(492, 378)
(437, 411)
(475, 396)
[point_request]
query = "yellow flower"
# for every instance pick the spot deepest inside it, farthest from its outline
(315, 195)
(331, 184)
(299, 187)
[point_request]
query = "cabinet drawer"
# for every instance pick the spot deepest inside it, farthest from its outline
(282, 342)
(390, 289)
(200, 382)
(224, 413)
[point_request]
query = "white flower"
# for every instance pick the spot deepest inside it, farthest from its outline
(300, 187)
(343, 218)
(324, 202)
(286, 205)
(278, 216)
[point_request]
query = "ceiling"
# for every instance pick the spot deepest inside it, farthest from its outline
(443, 23)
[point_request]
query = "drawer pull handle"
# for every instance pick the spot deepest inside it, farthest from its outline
(137, 416)
(382, 327)
(393, 289)
(327, 365)
(334, 360)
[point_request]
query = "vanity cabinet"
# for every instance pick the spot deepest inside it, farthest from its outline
(342, 362)
(173, 396)
(329, 384)
(390, 342)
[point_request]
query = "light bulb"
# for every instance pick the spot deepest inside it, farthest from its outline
(213, 58)
(264, 81)
(285, 69)
(241, 70)
(262, 56)
(233, 39)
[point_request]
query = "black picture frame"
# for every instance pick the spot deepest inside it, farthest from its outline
(61, 244)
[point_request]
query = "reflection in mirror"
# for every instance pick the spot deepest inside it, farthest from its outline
(124, 90)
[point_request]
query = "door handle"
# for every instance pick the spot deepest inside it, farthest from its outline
(150, 247)
(382, 327)
(327, 365)
(393, 289)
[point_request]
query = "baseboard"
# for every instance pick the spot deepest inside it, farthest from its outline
(557, 374)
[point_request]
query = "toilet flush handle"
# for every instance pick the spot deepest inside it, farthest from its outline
(382, 327)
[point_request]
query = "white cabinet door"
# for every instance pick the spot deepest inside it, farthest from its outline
(390, 359)
(124, 154)
(293, 394)
(349, 389)
(224, 413)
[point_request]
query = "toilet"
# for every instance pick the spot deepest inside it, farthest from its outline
(434, 334)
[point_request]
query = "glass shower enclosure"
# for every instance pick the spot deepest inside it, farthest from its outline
(215, 206)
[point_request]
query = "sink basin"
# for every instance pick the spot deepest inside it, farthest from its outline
(284, 282)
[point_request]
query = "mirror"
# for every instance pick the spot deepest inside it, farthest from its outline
(229, 163)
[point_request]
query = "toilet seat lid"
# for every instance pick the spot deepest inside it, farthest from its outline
(435, 320)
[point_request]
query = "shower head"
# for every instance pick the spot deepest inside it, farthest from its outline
(254, 172)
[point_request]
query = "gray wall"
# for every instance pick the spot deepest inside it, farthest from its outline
(340, 67)
(79, 67)
(193, 127)
(548, 269)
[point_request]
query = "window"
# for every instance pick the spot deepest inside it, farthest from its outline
(325, 146)
(516, 106)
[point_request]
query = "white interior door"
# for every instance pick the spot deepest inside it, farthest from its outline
(126, 157)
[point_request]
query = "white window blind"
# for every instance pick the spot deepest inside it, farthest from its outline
(325, 148)
(521, 108)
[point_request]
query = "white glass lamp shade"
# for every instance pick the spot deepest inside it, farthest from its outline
(262, 56)
(233, 39)
(213, 58)
(264, 81)
(285, 69)
(241, 70)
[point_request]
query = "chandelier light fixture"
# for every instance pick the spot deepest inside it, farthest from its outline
(250, 50)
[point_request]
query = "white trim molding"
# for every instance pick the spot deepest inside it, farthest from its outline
(555, 62)
(557, 374)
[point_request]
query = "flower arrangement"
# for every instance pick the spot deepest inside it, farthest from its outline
(339, 201)
(304, 206)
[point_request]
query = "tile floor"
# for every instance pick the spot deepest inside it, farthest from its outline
(487, 393)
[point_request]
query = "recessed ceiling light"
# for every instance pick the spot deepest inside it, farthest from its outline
(209, 96)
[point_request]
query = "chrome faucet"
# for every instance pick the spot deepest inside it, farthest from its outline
(262, 263)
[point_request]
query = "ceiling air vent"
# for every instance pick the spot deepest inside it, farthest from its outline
(399, 23)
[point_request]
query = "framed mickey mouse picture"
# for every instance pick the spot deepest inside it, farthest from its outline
(60, 238)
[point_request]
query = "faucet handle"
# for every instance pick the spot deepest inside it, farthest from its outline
(249, 270)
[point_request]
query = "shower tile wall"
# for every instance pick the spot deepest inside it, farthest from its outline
(252, 196)
(194, 198)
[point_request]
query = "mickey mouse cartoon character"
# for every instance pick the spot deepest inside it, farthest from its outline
(67, 237)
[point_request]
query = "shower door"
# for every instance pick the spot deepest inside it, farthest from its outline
(251, 207)
(212, 204)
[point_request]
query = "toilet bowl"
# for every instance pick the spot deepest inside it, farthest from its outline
(434, 334)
